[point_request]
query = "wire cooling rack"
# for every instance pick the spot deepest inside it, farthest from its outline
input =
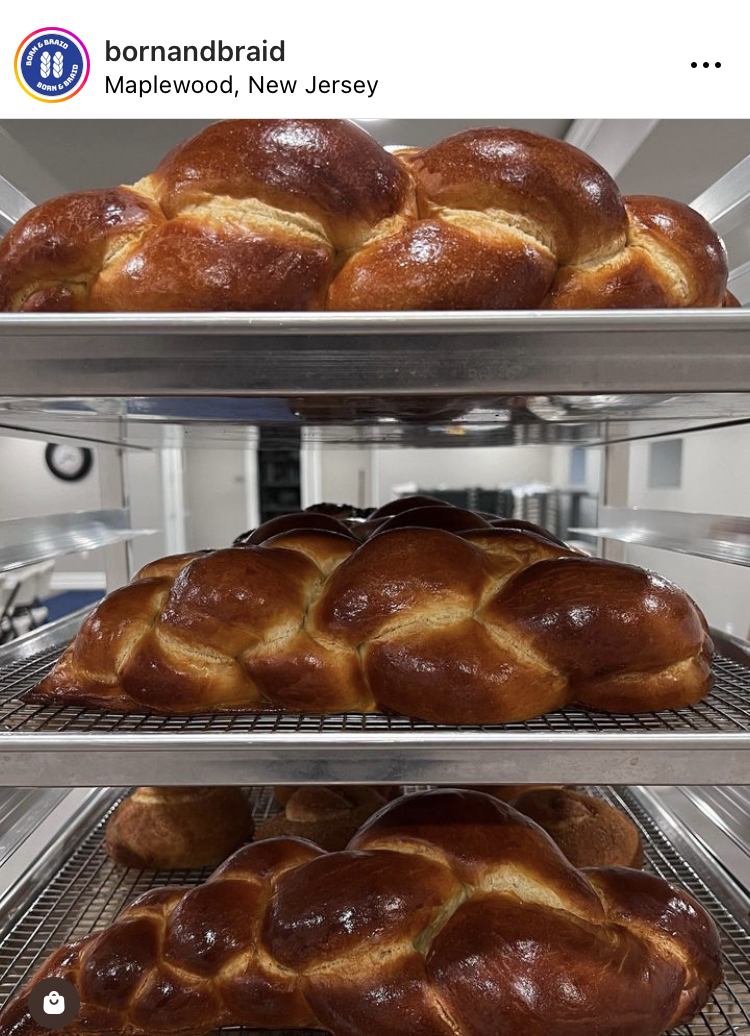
(725, 710)
(88, 891)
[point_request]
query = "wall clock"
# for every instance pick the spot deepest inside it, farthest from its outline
(70, 463)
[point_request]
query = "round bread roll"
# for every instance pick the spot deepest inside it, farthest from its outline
(169, 828)
(589, 831)
(329, 816)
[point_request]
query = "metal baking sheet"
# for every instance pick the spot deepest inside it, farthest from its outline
(88, 891)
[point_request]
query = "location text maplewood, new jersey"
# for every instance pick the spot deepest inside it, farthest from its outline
(231, 85)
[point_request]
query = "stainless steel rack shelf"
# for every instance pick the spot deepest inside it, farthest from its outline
(25, 541)
(720, 537)
(22, 811)
(308, 355)
(413, 421)
(53, 746)
(87, 891)
(385, 379)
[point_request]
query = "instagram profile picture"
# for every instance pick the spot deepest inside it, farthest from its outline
(52, 64)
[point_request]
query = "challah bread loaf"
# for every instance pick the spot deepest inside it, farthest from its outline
(305, 214)
(169, 828)
(440, 613)
(449, 915)
(588, 830)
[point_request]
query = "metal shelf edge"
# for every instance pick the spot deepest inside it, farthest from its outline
(72, 758)
(365, 354)
(376, 322)
(602, 761)
(719, 537)
(28, 541)
(38, 857)
(54, 634)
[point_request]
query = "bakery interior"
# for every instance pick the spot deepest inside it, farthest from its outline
(621, 433)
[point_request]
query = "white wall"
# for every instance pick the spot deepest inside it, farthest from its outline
(367, 477)
(143, 474)
(714, 481)
(30, 488)
(344, 476)
(216, 500)
(714, 474)
(487, 466)
(560, 468)
(215, 497)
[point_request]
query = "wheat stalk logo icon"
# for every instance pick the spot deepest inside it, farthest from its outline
(45, 63)
(57, 64)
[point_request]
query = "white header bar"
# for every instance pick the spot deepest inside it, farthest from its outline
(339, 58)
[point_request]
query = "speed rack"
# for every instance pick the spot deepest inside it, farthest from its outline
(454, 379)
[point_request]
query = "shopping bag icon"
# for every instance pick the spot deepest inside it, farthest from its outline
(53, 1003)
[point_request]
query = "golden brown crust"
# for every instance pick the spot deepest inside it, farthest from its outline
(672, 232)
(55, 251)
(554, 193)
(306, 214)
(608, 981)
(169, 567)
(450, 914)
(635, 898)
(434, 264)
(439, 614)
(572, 609)
(195, 262)
(172, 828)
(328, 170)
(673, 259)
(589, 831)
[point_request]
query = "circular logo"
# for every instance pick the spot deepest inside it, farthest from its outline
(54, 1003)
(52, 65)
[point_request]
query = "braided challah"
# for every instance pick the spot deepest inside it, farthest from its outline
(449, 915)
(431, 611)
(304, 214)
